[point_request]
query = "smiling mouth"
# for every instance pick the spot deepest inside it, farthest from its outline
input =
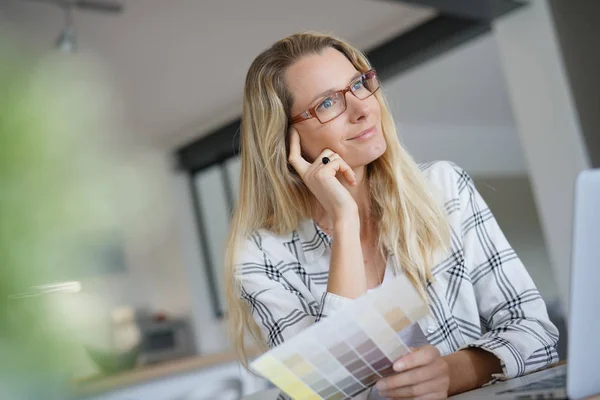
(365, 133)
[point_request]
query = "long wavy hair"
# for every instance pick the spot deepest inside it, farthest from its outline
(413, 226)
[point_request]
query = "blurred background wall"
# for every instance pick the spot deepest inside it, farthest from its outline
(508, 92)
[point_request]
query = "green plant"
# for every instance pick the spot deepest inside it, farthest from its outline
(53, 189)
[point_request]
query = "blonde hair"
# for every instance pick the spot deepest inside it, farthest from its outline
(412, 225)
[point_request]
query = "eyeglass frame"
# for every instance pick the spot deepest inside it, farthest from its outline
(312, 113)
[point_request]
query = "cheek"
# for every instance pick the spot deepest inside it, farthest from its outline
(315, 140)
(375, 107)
(311, 143)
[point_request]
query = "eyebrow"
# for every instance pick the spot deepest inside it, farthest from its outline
(323, 94)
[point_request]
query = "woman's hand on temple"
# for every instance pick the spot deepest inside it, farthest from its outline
(422, 374)
(321, 178)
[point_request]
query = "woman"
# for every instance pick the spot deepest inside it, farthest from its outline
(330, 205)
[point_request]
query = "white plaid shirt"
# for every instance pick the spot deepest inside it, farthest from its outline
(481, 296)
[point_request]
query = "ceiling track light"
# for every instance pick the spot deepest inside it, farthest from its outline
(66, 41)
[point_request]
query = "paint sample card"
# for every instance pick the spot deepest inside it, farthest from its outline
(347, 353)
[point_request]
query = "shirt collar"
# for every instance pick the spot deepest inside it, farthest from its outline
(313, 239)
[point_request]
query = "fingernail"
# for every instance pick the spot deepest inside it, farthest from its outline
(381, 385)
(398, 366)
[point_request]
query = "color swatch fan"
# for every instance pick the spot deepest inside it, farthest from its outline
(347, 353)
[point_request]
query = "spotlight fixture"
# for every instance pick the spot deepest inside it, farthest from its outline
(66, 41)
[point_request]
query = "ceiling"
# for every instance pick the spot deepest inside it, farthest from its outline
(178, 69)
(179, 65)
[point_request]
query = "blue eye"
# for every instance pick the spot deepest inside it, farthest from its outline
(327, 103)
(357, 85)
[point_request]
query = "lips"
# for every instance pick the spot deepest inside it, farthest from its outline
(365, 133)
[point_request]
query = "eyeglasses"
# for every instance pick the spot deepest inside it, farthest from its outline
(334, 104)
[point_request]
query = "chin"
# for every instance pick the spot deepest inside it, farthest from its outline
(372, 153)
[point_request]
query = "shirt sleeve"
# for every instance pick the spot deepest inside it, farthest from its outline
(279, 308)
(513, 314)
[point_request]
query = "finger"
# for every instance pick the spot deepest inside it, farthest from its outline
(433, 396)
(325, 153)
(347, 172)
(412, 377)
(295, 157)
(436, 385)
(422, 356)
(341, 166)
(338, 165)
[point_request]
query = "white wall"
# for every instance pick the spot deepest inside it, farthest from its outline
(155, 256)
(211, 333)
(547, 123)
(498, 150)
(155, 276)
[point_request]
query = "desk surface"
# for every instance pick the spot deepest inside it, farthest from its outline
(139, 375)
(271, 394)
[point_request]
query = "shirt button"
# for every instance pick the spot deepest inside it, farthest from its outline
(431, 329)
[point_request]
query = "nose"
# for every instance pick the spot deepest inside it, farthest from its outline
(357, 109)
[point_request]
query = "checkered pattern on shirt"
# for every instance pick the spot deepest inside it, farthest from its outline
(482, 296)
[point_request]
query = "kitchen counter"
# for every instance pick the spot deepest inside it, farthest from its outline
(101, 383)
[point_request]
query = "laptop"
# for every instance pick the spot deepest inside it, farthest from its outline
(580, 377)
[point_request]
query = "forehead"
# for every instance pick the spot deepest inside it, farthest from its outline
(316, 73)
